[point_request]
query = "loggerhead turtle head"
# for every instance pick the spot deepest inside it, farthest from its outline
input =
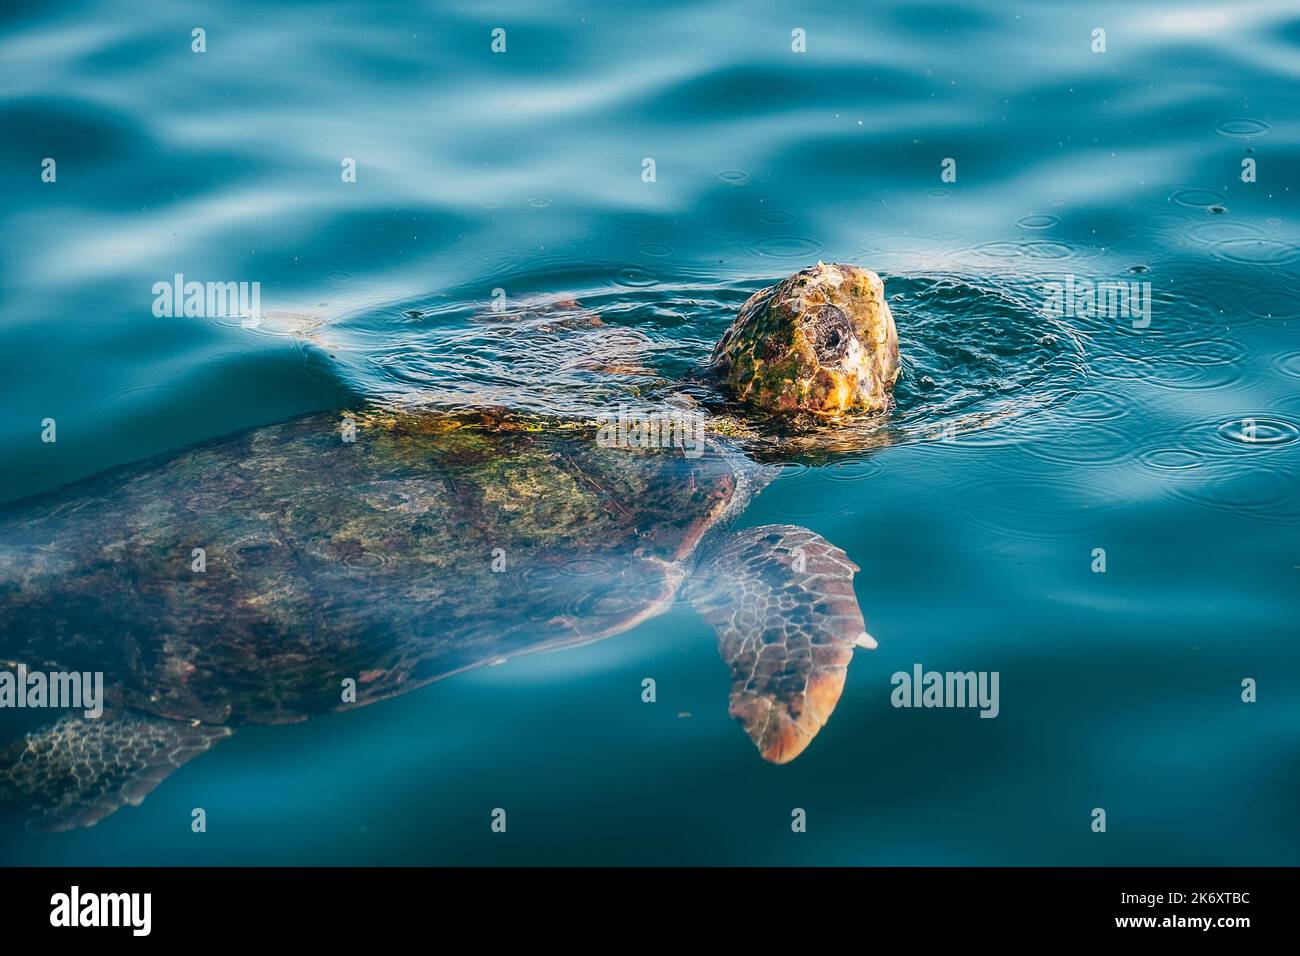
(821, 342)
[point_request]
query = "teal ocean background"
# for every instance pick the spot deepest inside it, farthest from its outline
(1022, 441)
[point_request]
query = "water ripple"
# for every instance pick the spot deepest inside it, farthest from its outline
(1038, 221)
(1258, 432)
(1243, 128)
(1260, 493)
(1198, 197)
(1289, 364)
(787, 247)
(1257, 251)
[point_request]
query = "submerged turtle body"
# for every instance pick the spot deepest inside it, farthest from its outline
(387, 561)
(334, 560)
(392, 559)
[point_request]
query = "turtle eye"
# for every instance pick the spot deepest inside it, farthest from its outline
(829, 332)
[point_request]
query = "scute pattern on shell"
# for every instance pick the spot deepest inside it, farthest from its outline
(329, 559)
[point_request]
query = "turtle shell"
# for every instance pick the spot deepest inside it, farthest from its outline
(392, 559)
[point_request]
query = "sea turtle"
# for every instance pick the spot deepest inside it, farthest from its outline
(340, 558)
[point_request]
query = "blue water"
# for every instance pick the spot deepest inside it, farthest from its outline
(1021, 443)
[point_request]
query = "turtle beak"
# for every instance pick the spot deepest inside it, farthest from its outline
(866, 640)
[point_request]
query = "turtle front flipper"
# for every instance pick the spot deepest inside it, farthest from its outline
(75, 772)
(781, 601)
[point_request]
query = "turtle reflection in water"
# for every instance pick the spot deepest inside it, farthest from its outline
(373, 560)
